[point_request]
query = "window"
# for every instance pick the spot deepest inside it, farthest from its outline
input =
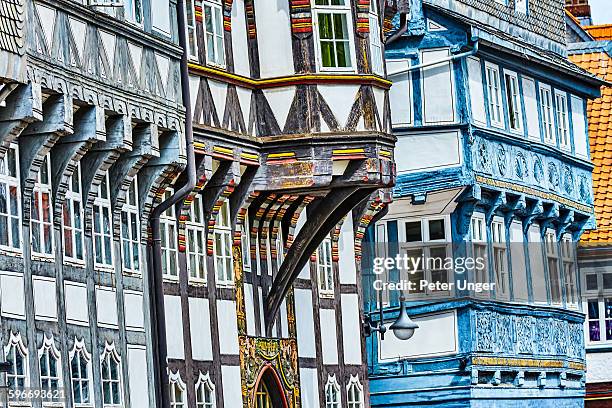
(191, 28)
(196, 240)
(479, 245)
(10, 200)
(500, 259)
(133, 11)
(279, 246)
(521, 6)
(263, 399)
(332, 393)
(73, 218)
(50, 366)
(205, 392)
(16, 355)
(111, 377)
(177, 391)
(598, 291)
(325, 270)
(332, 27)
(41, 224)
(546, 109)
(495, 98)
(80, 375)
(167, 229)
(102, 225)
(552, 258)
(354, 393)
(513, 97)
(223, 247)
(376, 51)
(130, 230)
(562, 120)
(213, 26)
(569, 270)
(245, 242)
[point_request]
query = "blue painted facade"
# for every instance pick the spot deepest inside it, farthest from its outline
(522, 345)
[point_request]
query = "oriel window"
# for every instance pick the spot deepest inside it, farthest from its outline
(500, 258)
(333, 28)
(42, 211)
(72, 218)
(10, 200)
(354, 393)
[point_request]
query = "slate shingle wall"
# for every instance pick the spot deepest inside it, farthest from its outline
(12, 20)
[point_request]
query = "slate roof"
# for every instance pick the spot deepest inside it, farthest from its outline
(12, 19)
(599, 62)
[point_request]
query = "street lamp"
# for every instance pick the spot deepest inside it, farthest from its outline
(403, 327)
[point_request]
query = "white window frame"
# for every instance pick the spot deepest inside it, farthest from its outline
(195, 231)
(169, 240)
(110, 354)
(12, 213)
(332, 393)
(344, 10)
(548, 117)
(15, 345)
(224, 264)
(500, 258)
(204, 384)
(131, 14)
(83, 379)
(245, 242)
(599, 295)
(190, 27)
(72, 198)
(130, 230)
(177, 387)
(521, 6)
(495, 100)
(568, 259)
(376, 47)
(102, 237)
(513, 99)
(214, 8)
(552, 259)
(39, 224)
(478, 232)
(47, 352)
(562, 117)
(325, 268)
(354, 393)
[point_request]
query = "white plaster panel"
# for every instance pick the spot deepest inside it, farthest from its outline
(338, 97)
(598, 367)
(161, 18)
(519, 270)
(138, 376)
(274, 37)
(47, 21)
(280, 100)
(174, 326)
(351, 330)
(309, 387)
(477, 100)
(284, 320)
(329, 344)
(438, 89)
(244, 98)
(531, 107)
(199, 326)
(346, 252)
(106, 304)
(12, 296)
(76, 303)
(427, 151)
(400, 94)
(136, 54)
(45, 299)
(581, 144)
(194, 86)
(239, 39)
(304, 323)
(228, 327)
(232, 390)
(249, 309)
(262, 324)
(436, 335)
(538, 281)
(134, 314)
(78, 33)
(379, 96)
(218, 90)
(108, 40)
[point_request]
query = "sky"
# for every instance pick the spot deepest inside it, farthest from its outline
(601, 11)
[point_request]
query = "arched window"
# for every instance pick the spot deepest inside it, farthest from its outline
(205, 392)
(354, 393)
(111, 377)
(50, 365)
(80, 373)
(332, 393)
(16, 354)
(177, 391)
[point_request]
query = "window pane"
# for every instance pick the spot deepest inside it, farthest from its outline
(591, 282)
(436, 229)
(413, 232)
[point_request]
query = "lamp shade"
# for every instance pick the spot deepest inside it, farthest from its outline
(403, 327)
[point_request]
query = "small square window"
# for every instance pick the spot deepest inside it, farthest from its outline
(591, 282)
(413, 231)
(436, 230)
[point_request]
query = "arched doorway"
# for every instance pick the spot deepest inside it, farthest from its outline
(269, 391)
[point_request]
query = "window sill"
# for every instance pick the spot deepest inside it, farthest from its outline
(43, 257)
(74, 262)
(197, 282)
(104, 268)
(225, 285)
(11, 252)
(170, 279)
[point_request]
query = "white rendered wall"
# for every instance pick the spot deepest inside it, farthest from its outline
(199, 326)
(438, 88)
(239, 39)
(598, 367)
(304, 323)
(228, 327)
(427, 151)
(174, 326)
(477, 99)
(274, 38)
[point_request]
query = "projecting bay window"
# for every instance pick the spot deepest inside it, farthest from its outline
(223, 247)
(495, 97)
(552, 259)
(102, 225)
(376, 51)
(513, 99)
(72, 217)
(562, 120)
(41, 225)
(333, 30)
(569, 270)
(133, 11)
(598, 305)
(325, 269)
(196, 241)
(190, 26)
(546, 110)
(130, 230)
(167, 230)
(213, 27)
(10, 200)
(500, 258)
(479, 248)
